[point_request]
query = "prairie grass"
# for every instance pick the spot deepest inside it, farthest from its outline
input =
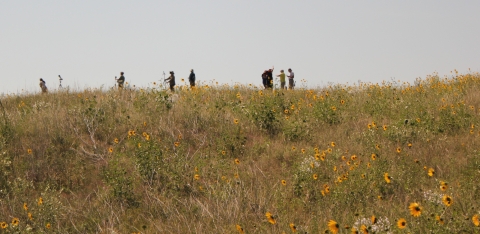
(386, 158)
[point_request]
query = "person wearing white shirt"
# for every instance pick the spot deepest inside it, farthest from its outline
(290, 76)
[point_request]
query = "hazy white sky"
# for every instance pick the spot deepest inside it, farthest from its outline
(89, 42)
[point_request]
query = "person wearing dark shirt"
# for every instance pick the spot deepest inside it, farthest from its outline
(191, 78)
(171, 81)
(120, 81)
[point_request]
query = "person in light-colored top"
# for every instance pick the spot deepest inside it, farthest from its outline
(282, 79)
(120, 80)
(43, 86)
(290, 76)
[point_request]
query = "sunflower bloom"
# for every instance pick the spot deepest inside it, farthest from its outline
(293, 227)
(196, 177)
(116, 140)
(3, 225)
(373, 219)
(110, 150)
(25, 206)
(40, 201)
(415, 209)
(384, 127)
(237, 161)
(235, 121)
(443, 186)
(387, 178)
(439, 219)
(30, 216)
(374, 157)
(364, 229)
(447, 200)
(315, 176)
(270, 218)
(354, 231)
(399, 150)
(284, 182)
(15, 222)
(332, 144)
(29, 151)
(476, 220)
(239, 229)
(333, 226)
(431, 172)
(48, 225)
(402, 223)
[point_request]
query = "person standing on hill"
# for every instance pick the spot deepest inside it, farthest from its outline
(264, 79)
(43, 86)
(270, 78)
(191, 79)
(290, 76)
(282, 79)
(171, 81)
(120, 80)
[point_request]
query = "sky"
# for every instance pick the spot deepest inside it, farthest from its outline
(90, 42)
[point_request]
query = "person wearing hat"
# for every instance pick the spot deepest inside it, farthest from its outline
(191, 79)
(43, 86)
(120, 80)
(171, 80)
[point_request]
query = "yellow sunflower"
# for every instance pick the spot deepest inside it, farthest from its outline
(399, 150)
(25, 206)
(447, 200)
(3, 225)
(15, 222)
(239, 229)
(315, 176)
(387, 178)
(402, 223)
(431, 172)
(439, 219)
(415, 209)
(270, 218)
(364, 229)
(332, 144)
(476, 220)
(293, 227)
(284, 182)
(40, 201)
(196, 177)
(235, 121)
(333, 226)
(237, 161)
(443, 186)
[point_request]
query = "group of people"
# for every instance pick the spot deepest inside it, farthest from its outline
(170, 80)
(267, 79)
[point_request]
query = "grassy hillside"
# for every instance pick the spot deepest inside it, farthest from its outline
(387, 158)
